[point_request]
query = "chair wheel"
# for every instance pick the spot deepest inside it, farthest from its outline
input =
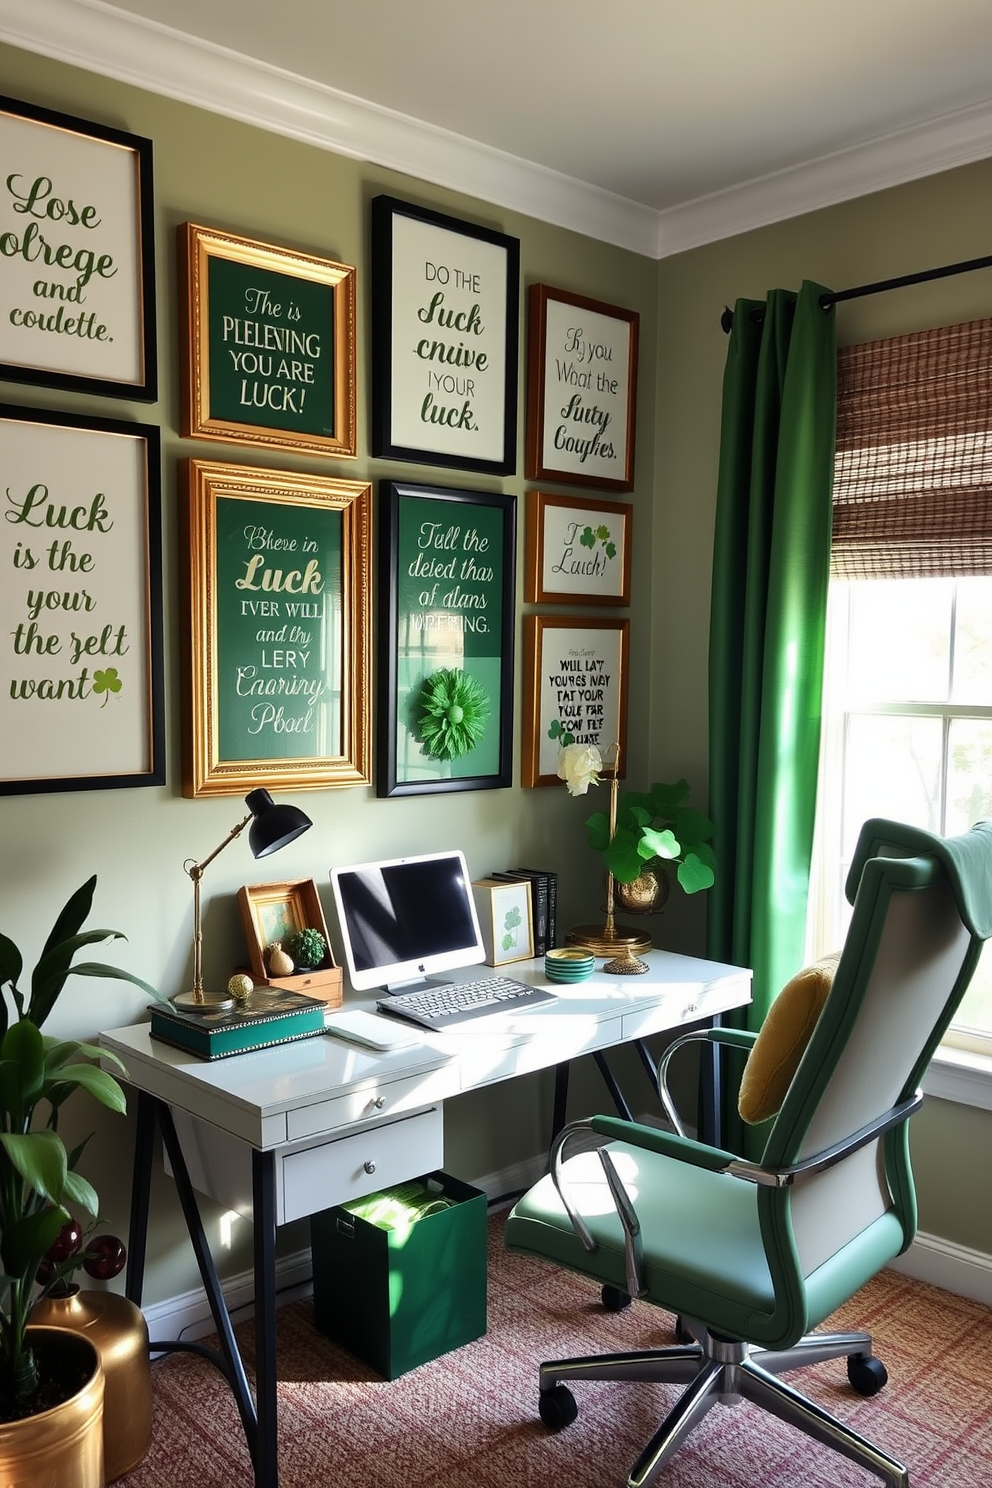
(557, 1407)
(682, 1332)
(866, 1373)
(614, 1299)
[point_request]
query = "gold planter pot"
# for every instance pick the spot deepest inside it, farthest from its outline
(61, 1447)
(118, 1331)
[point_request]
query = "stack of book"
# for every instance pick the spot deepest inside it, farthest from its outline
(543, 902)
(273, 1015)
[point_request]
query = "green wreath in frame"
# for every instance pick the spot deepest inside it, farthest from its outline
(450, 714)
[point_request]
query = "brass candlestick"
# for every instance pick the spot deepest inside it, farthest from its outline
(620, 942)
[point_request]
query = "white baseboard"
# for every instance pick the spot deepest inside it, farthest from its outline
(953, 1267)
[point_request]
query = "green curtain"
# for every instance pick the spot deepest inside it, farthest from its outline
(771, 566)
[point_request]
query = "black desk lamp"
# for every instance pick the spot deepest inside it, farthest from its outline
(272, 827)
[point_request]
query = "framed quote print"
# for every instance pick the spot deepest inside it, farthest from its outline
(581, 390)
(445, 639)
(268, 345)
(80, 604)
(445, 304)
(277, 673)
(577, 551)
(77, 268)
(575, 689)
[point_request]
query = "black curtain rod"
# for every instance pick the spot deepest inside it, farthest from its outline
(879, 287)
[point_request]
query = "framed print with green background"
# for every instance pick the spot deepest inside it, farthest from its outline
(268, 345)
(445, 653)
(278, 676)
(577, 551)
(445, 298)
(77, 255)
(80, 603)
(581, 390)
(575, 690)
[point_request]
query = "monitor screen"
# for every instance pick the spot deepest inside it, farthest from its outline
(406, 919)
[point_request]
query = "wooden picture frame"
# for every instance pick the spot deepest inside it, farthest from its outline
(447, 585)
(268, 350)
(271, 912)
(81, 698)
(278, 619)
(78, 265)
(445, 310)
(506, 920)
(581, 390)
(575, 689)
(577, 551)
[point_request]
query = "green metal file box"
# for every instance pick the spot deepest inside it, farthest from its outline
(399, 1297)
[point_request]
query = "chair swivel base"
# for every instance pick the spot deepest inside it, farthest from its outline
(720, 1371)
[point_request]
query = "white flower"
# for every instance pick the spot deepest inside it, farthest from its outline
(579, 766)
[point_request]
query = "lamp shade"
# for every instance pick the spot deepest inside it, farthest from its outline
(273, 826)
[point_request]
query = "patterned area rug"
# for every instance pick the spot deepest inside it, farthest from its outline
(469, 1419)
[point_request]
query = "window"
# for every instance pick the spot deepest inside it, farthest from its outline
(907, 723)
(907, 734)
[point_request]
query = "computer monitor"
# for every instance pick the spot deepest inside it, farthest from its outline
(405, 921)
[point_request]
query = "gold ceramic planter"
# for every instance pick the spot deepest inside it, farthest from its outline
(118, 1330)
(61, 1447)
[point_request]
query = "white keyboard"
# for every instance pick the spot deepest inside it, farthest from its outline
(440, 1007)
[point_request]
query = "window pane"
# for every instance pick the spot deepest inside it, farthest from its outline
(892, 768)
(899, 646)
(974, 1015)
(973, 644)
(969, 773)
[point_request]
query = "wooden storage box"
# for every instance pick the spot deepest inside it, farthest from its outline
(272, 912)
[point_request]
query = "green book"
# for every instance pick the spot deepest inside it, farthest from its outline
(274, 1015)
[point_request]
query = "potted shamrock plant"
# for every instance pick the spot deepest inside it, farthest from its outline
(44, 1373)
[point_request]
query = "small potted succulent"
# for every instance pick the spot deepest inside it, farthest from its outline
(40, 1190)
(308, 948)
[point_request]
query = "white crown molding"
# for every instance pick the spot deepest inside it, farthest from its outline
(114, 43)
(923, 150)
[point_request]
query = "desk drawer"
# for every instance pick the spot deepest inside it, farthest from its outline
(387, 1152)
(315, 1175)
(374, 1099)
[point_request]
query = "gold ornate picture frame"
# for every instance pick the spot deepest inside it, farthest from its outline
(278, 617)
(268, 345)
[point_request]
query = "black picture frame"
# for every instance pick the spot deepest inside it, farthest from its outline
(87, 323)
(76, 592)
(451, 401)
(447, 561)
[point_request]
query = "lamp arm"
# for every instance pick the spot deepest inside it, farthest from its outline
(195, 872)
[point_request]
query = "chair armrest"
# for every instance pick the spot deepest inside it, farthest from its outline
(732, 1038)
(667, 1144)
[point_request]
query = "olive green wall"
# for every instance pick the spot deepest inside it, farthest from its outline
(225, 174)
(941, 220)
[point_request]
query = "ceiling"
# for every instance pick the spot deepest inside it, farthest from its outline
(719, 112)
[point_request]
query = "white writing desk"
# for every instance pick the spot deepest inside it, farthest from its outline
(285, 1132)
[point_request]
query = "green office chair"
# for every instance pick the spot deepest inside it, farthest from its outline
(751, 1256)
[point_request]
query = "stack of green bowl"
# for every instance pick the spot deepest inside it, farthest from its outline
(569, 964)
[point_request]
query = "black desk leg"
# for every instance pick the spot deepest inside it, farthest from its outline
(561, 1099)
(141, 1188)
(264, 1222)
(234, 1365)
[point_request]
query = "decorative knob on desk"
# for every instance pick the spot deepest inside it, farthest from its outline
(370, 1167)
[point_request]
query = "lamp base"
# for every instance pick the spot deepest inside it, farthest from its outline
(208, 1002)
(609, 939)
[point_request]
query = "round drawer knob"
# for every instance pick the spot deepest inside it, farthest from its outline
(379, 1102)
(370, 1166)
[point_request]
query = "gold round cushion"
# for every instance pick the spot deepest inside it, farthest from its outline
(781, 1043)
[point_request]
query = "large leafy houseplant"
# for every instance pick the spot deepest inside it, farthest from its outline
(40, 1189)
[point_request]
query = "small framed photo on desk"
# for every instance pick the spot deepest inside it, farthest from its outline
(505, 919)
